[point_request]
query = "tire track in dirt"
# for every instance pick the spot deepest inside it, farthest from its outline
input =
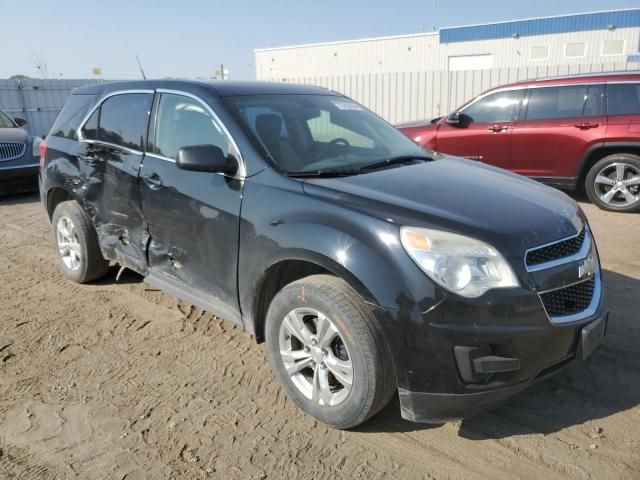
(123, 381)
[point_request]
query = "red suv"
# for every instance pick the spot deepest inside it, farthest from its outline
(568, 132)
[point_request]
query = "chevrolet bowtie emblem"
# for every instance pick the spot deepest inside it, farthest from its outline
(586, 268)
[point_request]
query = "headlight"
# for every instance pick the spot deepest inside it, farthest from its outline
(460, 264)
(35, 146)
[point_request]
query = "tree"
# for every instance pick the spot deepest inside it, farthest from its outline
(19, 76)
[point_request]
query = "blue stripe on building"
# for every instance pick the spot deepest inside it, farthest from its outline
(543, 26)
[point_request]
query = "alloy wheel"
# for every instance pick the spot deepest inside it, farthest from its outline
(315, 356)
(68, 244)
(618, 184)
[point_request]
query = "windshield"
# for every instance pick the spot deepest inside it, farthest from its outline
(5, 121)
(319, 133)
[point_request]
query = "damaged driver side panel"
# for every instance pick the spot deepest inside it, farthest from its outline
(115, 133)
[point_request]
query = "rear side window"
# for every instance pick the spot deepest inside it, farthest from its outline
(124, 118)
(183, 122)
(72, 114)
(623, 99)
(496, 107)
(564, 102)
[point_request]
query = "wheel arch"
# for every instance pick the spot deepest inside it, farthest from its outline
(55, 196)
(295, 266)
(597, 152)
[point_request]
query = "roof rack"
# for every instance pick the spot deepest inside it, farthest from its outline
(582, 75)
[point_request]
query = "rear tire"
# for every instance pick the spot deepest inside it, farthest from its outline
(613, 183)
(76, 244)
(320, 336)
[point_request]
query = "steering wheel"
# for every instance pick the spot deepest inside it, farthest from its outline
(341, 143)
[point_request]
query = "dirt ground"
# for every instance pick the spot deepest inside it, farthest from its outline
(120, 381)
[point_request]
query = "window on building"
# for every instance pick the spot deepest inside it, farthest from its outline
(540, 52)
(613, 47)
(496, 107)
(471, 62)
(573, 50)
(623, 99)
(564, 102)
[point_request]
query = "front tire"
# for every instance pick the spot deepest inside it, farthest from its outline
(327, 353)
(76, 244)
(613, 183)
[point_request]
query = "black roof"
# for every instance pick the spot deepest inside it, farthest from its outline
(221, 88)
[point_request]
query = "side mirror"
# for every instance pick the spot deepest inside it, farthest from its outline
(454, 118)
(206, 158)
(21, 122)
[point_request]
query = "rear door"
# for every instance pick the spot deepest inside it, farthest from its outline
(558, 126)
(484, 133)
(115, 133)
(623, 110)
(193, 217)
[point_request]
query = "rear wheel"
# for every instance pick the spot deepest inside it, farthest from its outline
(327, 353)
(613, 183)
(76, 244)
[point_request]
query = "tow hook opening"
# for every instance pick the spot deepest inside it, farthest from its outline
(479, 364)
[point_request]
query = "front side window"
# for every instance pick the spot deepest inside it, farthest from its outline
(318, 133)
(124, 119)
(623, 99)
(183, 122)
(548, 103)
(495, 107)
(5, 121)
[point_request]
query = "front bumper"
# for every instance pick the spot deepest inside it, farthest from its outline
(18, 178)
(443, 407)
(507, 324)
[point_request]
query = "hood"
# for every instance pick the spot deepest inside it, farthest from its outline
(506, 210)
(11, 135)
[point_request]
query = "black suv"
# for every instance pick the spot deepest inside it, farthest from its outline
(295, 213)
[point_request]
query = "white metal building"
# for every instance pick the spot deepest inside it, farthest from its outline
(389, 74)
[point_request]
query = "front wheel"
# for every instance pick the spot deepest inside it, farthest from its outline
(325, 349)
(613, 183)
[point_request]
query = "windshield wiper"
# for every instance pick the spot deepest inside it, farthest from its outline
(393, 161)
(323, 173)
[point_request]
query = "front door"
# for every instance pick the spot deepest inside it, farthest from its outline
(558, 124)
(484, 131)
(193, 217)
(114, 137)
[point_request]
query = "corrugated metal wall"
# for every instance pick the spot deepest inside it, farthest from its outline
(406, 97)
(37, 101)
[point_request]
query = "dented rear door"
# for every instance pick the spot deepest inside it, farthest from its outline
(115, 135)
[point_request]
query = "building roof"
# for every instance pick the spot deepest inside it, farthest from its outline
(601, 20)
(610, 19)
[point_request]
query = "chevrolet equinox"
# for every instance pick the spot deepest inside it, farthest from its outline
(367, 265)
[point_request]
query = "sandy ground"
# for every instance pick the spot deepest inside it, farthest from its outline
(121, 381)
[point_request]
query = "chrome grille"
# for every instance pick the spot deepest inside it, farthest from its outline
(555, 251)
(10, 151)
(569, 300)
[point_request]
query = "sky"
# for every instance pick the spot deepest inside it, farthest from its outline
(191, 38)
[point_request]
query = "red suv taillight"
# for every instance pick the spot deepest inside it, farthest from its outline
(43, 152)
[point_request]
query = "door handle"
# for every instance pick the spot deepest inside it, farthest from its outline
(586, 125)
(497, 128)
(153, 180)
